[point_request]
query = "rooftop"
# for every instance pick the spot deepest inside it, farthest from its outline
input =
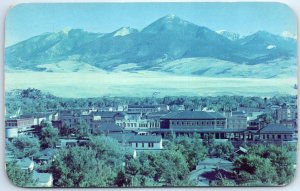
(25, 163)
(276, 128)
(145, 139)
(42, 177)
(193, 115)
(107, 114)
(146, 106)
(109, 127)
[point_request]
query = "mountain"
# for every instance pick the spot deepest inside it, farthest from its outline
(168, 39)
(230, 35)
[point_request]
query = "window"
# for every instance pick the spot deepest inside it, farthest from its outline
(136, 144)
(143, 145)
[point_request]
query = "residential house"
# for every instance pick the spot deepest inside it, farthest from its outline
(43, 179)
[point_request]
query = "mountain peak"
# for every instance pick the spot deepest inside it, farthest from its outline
(123, 31)
(170, 16)
(229, 35)
(167, 23)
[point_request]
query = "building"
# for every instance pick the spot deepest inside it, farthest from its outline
(107, 116)
(107, 128)
(276, 132)
(26, 164)
(286, 112)
(138, 142)
(145, 142)
(237, 119)
(147, 108)
(72, 118)
(132, 124)
(43, 179)
(42, 116)
(16, 126)
(193, 120)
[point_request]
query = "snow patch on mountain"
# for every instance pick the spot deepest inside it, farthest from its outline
(125, 67)
(124, 31)
(271, 46)
(229, 35)
(287, 34)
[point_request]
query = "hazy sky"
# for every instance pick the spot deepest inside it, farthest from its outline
(27, 20)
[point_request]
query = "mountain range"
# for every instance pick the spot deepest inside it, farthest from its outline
(169, 44)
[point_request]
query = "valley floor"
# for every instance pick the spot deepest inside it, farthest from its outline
(95, 84)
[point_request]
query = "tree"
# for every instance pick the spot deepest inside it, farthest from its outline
(49, 136)
(17, 176)
(172, 168)
(24, 146)
(79, 167)
(224, 150)
(209, 142)
(191, 148)
(107, 149)
(82, 129)
(253, 168)
(281, 160)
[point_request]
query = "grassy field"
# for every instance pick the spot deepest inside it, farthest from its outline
(94, 84)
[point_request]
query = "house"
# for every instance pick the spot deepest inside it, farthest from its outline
(47, 155)
(138, 142)
(26, 164)
(193, 120)
(122, 138)
(276, 132)
(23, 124)
(145, 142)
(107, 128)
(241, 151)
(68, 142)
(107, 116)
(43, 179)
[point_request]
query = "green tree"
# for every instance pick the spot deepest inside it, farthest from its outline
(253, 168)
(49, 136)
(224, 150)
(191, 148)
(79, 167)
(107, 150)
(82, 129)
(209, 142)
(24, 146)
(172, 167)
(280, 158)
(17, 176)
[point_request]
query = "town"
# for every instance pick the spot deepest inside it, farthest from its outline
(148, 128)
